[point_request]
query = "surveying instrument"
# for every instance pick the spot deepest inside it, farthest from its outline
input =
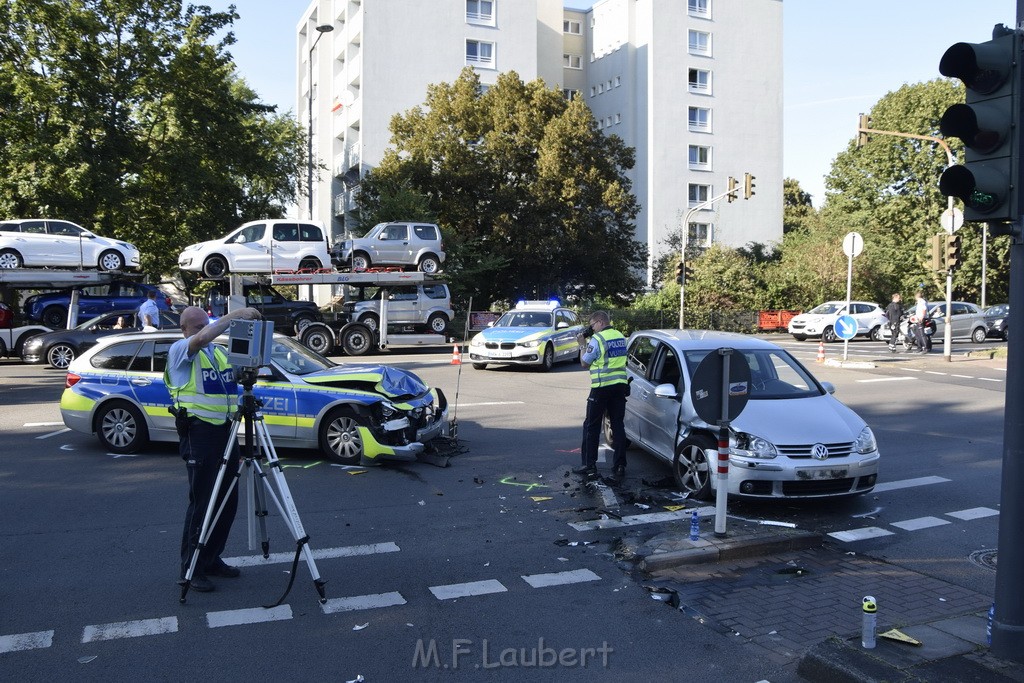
(249, 347)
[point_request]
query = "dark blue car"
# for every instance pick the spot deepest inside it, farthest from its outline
(51, 309)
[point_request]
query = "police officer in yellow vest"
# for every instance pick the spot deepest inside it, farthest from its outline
(605, 357)
(205, 396)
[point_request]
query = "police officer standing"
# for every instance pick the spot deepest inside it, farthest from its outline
(202, 386)
(605, 357)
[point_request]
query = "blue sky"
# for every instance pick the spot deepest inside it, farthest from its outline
(840, 57)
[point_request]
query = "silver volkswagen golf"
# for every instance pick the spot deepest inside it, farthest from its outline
(792, 440)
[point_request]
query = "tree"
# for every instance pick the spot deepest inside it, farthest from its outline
(532, 198)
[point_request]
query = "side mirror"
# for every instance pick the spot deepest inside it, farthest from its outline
(829, 387)
(562, 325)
(666, 391)
(264, 373)
(87, 234)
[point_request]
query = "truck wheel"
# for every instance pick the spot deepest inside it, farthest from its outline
(319, 338)
(356, 339)
(372, 321)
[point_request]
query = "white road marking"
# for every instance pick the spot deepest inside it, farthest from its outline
(26, 641)
(911, 370)
(909, 483)
(920, 523)
(932, 372)
(461, 590)
(318, 554)
(56, 433)
(491, 403)
(634, 520)
(990, 379)
(42, 424)
(251, 615)
(129, 629)
(973, 513)
(561, 578)
(886, 379)
(963, 376)
(860, 534)
(360, 602)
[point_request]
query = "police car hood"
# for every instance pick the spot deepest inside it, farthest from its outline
(387, 381)
(514, 334)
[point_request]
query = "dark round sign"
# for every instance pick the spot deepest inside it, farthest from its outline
(709, 385)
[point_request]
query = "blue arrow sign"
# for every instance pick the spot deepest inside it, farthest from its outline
(846, 327)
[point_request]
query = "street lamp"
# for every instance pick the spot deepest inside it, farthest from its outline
(322, 29)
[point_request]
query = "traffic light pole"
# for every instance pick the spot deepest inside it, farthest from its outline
(686, 236)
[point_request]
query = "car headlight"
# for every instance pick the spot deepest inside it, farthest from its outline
(532, 344)
(33, 344)
(387, 409)
(477, 340)
(751, 446)
(866, 441)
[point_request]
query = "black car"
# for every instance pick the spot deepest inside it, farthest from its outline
(60, 347)
(998, 320)
(288, 315)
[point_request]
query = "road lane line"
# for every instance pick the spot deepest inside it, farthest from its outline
(26, 641)
(963, 376)
(973, 513)
(42, 424)
(984, 379)
(360, 602)
(561, 578)
(319, 554)
(932, 372)
(129, 629)
(909, 483)
(462, 590)
(886, 379)
(490, 403)
(251, 615)
(920, 523)
(860, 534)
(59, 432)
(634, 520)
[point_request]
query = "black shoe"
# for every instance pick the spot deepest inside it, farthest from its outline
(587, 471)
(219, 568)
(617, 475)
(200, 583)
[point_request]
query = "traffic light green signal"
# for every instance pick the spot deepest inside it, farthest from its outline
(952, 252)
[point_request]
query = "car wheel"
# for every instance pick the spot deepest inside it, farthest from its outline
(111, 260)
(1006, 334)
(692, 465)
(608, 439)
(979, 335)
(800, 337)
(319, 339)
(429, 264)
(356, 339)
(829, 335)
(360, 260)
(10, 259)
(302, 322)
(372, 321)
(215, 266)
(55, 317)
(479, 366)
(548, 361)
(438, 323)
(339, 436)
(61, 355)
(3, 349)
(876, 334)
(310, 264)
(121, 428)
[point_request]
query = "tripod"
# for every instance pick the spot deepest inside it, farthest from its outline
(258, 490)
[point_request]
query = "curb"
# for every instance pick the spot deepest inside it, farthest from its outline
(741, 548)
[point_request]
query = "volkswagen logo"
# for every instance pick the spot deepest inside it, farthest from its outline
(819, 451)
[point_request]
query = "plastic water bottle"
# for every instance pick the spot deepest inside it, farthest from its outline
(988, 628)
(869, 623)
(694, 526)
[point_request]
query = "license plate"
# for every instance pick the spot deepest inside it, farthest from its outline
(823, 473)
(501, 354)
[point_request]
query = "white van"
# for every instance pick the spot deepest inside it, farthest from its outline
(266, 246)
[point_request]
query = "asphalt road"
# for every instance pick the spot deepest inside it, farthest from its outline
(457, 572)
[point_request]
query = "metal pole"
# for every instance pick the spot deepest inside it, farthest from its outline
(984, 261)
(722, 469)
(849, 296)
(685, 237)
(947, 336)
(321, 30)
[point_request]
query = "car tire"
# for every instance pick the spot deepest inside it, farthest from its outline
(692, 465)
(437, 323)
(371, 320)
(110, 260)
(10, 259)
(429, 264)
(121, 428)
(979, 335)
(55, 317)
(1006, 333)
(215, 266)
(3, 349)
(829, 335)
(356, 339)
(479, 366)
(548, 361)
(361, 261)
(60, 355)
(606, 426)
(318, 338)
(800, 337)
(339, 436)
(311, 264)
(302, 322)
(876, 334)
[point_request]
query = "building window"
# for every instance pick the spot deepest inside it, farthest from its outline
(618, 118)
(700, 158)
(480, 12)
(572, 61)
(699, 234)
(479, 53)
(700, 119)
(700, 43)
(699, 8)
(618, 81)
(570, 94)
(600, 88)
(593, 91)
(700, 81)
(573, 27)
(698, 194)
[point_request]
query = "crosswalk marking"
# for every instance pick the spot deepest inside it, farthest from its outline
(250, 615)
(462, 590)
(561, 578)
(56, 433)
(908, 483)
(860, 534)
(26, 641)
(973, 513)
(129, 629)
(634, 520)
(920, 523)
(360, 602)
(885, 379)
(318, 554)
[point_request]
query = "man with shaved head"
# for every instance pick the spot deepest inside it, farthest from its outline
(205, 395)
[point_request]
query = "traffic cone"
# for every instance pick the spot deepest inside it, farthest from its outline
(821, 351)
(456, 355)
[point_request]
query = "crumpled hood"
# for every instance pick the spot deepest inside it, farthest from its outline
(389, 381)
(811, 420)
(514, 334)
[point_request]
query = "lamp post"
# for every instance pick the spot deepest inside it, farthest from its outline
(322, 29)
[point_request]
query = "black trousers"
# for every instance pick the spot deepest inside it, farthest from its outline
(202, 448)
(610, 400)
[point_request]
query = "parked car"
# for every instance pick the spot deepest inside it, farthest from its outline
(60, 347)
(997, 318)
(539, 333)
(51, 308)
(426, 305)
(349, 413)
(260, 247)
(14, 334)
(43, 242)
(394, 244)
(820, 321)
(289, 316)
(793, 439)
(968, 321)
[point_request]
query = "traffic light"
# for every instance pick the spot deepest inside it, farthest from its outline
(935, 252)
(679, 272)
(734, 188)
(952, 252)
(987, 180)
(862, 137)
(748, 186)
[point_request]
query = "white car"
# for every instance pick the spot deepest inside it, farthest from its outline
(42, 242)
(820, 321)
(266, 246)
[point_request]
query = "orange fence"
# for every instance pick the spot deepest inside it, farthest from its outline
(775, 320)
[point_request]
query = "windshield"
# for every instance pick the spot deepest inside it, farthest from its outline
(373, 231)
(774, 374)
(296, 359)
(827, 309)
(525, 319)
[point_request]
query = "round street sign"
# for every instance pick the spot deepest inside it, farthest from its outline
(845, 327)
(853, 244)
(952, 220)
(707, 386)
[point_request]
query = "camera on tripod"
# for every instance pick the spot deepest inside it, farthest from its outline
(250, 343)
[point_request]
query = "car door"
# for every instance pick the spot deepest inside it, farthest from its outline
(285, 246)
(639, 358)
(248, 250)
(393, 244)
(566, 328)
(69, 247)
(34, 245)
(145, 375)
(404, 304)
(662, 423)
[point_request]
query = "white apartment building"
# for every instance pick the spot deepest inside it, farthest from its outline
(695, 86)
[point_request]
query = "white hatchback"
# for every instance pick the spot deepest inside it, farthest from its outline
(820, 321)
(266, 246)
(42, 242)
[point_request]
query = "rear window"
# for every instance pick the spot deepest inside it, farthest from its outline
(426, 232)
(286, 232)
(435, 291)
(10, 227)
(311, 233)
